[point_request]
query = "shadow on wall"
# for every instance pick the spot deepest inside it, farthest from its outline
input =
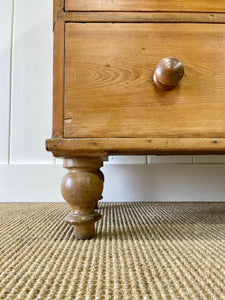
(164, 183)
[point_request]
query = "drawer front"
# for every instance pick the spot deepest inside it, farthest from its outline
(109, 88)
(145, 5)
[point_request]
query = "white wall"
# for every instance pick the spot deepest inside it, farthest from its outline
(28, 172)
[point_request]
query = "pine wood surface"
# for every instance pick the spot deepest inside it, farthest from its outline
(146, 5)
(138, 17)
(109, 90)
(58, 82)
(102, 147)
(82, 189)
(58, 7)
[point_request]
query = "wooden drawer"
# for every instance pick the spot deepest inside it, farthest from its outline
(109, 90)
(146, 5)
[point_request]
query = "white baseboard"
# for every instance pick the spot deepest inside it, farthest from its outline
(41, 183)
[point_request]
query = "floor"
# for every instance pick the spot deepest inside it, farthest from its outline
(141, 251)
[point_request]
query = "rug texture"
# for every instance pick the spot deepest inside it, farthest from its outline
(141, 251)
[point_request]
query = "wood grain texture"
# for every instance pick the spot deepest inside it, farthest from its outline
(138, 17)
(109, 88)
(132, 146)
(82, 188)
(58, 80)
(146, 5)
(58, 7)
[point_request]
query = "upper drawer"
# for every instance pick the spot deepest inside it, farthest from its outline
(109, 88)
(146, 5)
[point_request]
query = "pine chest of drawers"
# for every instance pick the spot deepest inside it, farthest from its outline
(133, 77)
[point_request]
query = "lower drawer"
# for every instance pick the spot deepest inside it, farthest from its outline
(109, 89)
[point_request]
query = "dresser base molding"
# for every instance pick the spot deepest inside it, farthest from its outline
(102, 147)
(82, 188)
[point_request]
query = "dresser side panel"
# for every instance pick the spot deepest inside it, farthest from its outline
(58, 80)
(58, 7)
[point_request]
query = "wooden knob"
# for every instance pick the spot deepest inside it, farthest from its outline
(168, 73)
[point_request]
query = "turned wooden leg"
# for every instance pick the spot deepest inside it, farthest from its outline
(82, 188)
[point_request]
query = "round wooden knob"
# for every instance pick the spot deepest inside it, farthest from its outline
(168, 73)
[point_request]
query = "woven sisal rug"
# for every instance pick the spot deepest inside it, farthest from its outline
(142, 251)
